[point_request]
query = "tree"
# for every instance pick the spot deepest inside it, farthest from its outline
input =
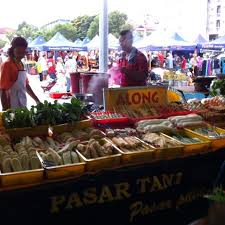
(117, 22)
(2, 43)
(94, 28)
(10, 35)
(26, 30)
(81, 25)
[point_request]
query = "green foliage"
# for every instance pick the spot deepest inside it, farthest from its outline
(46, 113)
(26, 30)
(117, 22)
(81, 25)
(218, 195)
(94, 28)
(2, 43)
(218, 85)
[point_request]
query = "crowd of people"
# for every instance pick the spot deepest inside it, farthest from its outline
(192, 65)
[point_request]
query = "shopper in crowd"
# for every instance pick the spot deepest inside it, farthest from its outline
(216, 66)
(60, 71)
(194, 64)
(13, 80)
(136, 71)
(70, 67)
(169, 61)
(51, 67)
(183, 64)
(43, 62)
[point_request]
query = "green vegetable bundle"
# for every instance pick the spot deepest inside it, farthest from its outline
(218, 87)
(44, 114)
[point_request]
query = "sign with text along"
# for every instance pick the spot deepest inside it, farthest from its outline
(134, 97)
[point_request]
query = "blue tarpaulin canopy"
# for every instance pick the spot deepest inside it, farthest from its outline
(60, 43)
(79, 44)
(160, 40)
(200, 39)
(37, 42)
(219, 43)
(86, 40)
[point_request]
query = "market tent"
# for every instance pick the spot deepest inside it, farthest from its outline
(29, 40)
(113, 42)
(37, 42)
(219, 43)
(200, 39)
(155, 41)
(94, 43)
(59, 43)
(86, 41)
(176, 42)
(79, 44)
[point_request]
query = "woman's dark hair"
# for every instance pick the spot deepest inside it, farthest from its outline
(17, 42)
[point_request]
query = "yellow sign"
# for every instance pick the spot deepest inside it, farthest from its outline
(134, 97)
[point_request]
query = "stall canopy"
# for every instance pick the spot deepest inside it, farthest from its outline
(37, 42)
(94, 43)
(79, 44)
(60, 43)
(200, 39)
(161, 40)
(176, 42)
(113, 42)
(86, 41)
(217, 44)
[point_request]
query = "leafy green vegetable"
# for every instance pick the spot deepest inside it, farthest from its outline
(218, 195)
(44, 114)
(218, 85)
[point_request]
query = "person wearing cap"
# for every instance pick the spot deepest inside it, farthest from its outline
(13, 77)
(135, 71)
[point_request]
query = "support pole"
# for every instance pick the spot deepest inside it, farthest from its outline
(103, 34)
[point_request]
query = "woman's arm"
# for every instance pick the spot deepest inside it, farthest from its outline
(5, 100)
(31, 93)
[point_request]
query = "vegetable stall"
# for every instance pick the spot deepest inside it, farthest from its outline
(143, 160)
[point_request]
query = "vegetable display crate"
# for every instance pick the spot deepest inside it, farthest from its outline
(44, 130)
(136, 157)
(97, 164)
(168, 153)
(216, 143)
(192, 148)
(62, 171)
(22, 178)
(70, 127)
(27, 131)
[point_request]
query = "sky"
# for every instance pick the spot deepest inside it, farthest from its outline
(186, 16)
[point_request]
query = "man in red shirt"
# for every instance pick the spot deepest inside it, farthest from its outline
(133, 66)
(51, 67)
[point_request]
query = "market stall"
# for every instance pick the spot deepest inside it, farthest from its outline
(142, 160)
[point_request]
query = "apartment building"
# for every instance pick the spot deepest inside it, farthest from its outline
(215, 19)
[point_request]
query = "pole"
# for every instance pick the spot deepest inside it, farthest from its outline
(103, 34)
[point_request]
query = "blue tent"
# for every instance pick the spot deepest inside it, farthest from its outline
(160, 41)
(37, 42)
(217, 44)
(86, 41)
(176, 42)
(60, 43)
(200, 39)
(79, 44)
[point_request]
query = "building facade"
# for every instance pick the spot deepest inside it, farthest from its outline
(215, 19)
